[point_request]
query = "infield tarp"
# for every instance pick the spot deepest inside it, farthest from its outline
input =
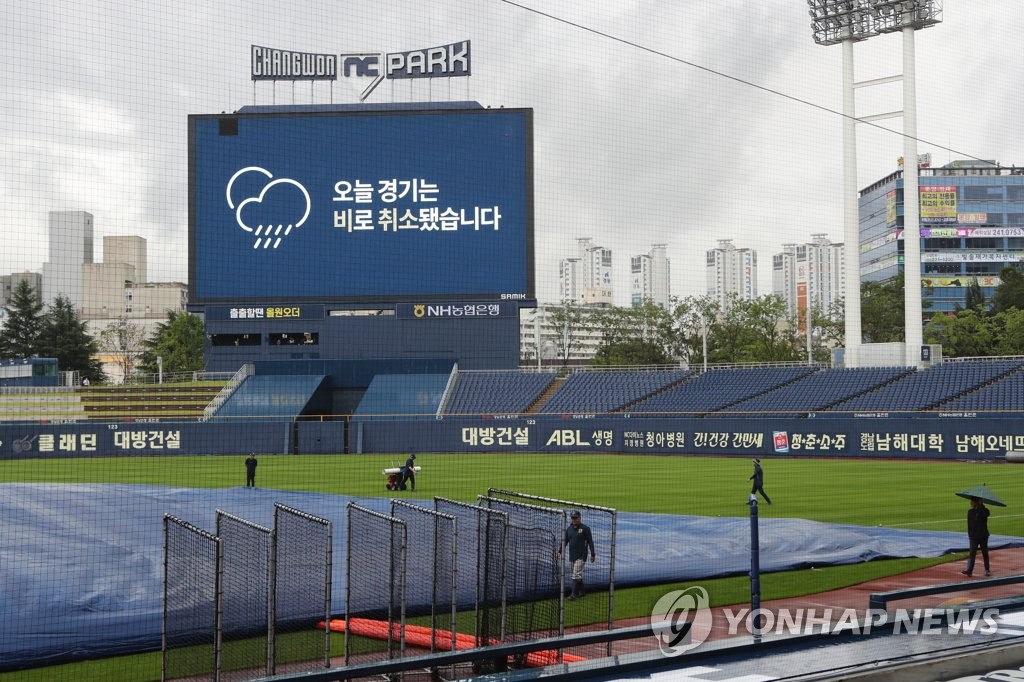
(81, 566)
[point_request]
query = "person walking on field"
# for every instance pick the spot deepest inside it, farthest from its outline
(578, 539)
(758, 479)
(977, 533)
(250, 470)
(409, 472)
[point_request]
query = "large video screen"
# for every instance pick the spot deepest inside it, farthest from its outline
(361, 205)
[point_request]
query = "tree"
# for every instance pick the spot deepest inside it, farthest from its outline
(831, 329)
(975, 298)
(881, 311)
(1010, 292)
(567, 320)
(1008, 331)
(647, 323)
(65, 337)
(966, 334)
(773, 338)
(179, 341)
(20, 336)
(631, 352)
(694, 322)
(124, 340)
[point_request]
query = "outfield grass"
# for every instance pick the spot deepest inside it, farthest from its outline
(900, 494)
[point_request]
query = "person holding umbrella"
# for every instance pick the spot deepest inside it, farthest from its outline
(977, 524)
(977, 534)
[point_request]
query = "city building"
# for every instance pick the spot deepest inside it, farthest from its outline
(651, 276)
(8, 283)
(587, 277)
(71, 247)
(972, 226)
(809, 275)
(731, 271)
(542, 342)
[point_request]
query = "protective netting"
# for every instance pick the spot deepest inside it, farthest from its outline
(301, 587)
(481, 556)
(598, 576)
(431, 551)
(375, 580)
(245, 590)
(534, 581)
(190, 634)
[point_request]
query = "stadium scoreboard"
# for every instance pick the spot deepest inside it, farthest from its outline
(361, 205)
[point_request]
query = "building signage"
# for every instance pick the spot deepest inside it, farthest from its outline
(285, 65)
(263, 312)
(443, 61)
(479, 311)
(938, 203)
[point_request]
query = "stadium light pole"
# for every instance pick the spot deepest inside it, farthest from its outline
(846, 22)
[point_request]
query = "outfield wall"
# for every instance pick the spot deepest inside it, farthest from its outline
(963, 437)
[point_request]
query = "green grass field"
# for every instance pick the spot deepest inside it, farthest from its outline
(899, 494)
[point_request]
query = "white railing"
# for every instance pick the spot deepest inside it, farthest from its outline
(230, 387)
(448, 388)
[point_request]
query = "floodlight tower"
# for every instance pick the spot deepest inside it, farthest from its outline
(846, 22)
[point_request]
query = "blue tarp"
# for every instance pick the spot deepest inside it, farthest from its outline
(81, 566)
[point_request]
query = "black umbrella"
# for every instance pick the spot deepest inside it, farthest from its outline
(983, 493)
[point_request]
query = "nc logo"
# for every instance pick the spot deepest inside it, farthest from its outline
(261, 215)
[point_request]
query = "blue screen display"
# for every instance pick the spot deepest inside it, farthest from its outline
(361, 206)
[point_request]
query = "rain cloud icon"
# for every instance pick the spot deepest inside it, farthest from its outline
(268, 232)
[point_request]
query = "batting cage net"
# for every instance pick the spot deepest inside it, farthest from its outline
(432, 538)
(598, 602)
(190, 642)
(534, 587)
(301, 590)
(482, 558)
(245, 591)
(375, 580)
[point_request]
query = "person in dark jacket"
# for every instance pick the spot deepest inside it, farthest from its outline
(250, 470)
(758, 479)
(578, 539)
(409, 473)
(977, 534)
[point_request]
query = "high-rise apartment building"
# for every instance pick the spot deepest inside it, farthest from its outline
(971, 227)
(586, 278)
(809, 275)
(731, 271)
(71, 244)
(651, 277)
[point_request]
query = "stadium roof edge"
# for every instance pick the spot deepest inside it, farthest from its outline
(388, 106)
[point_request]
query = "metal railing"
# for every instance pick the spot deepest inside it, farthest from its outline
(245, 371)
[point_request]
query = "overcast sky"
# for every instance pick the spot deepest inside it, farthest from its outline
(679, 123)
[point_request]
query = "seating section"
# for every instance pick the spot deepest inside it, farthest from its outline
(40, 404)
(402, 395)
(497, 392)
(816, 391)
(1006, 394)
(600, 391)
(718, 388)
(928, 388)
(270, 396)
(161, 401)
